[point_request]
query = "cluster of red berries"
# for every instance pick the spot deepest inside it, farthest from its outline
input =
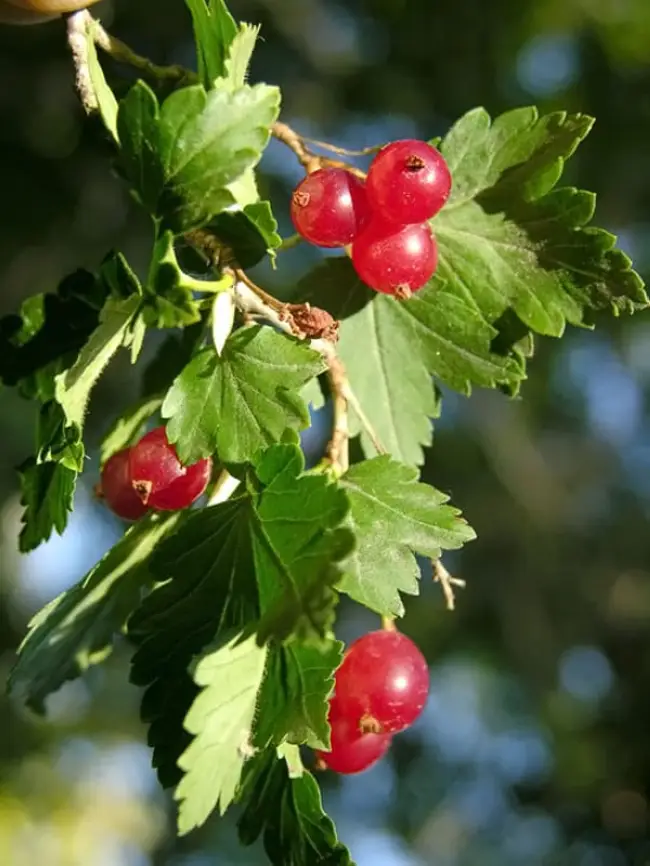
(385, 218)
(149, 475)
(380, 689)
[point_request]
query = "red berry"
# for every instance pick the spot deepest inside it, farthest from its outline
(383, 682)
(352, 751)
(160, 479)
(408, 182)
(329, 207)
(116, 488)
(395, 261)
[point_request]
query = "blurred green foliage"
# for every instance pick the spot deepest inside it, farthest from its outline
(536, 746)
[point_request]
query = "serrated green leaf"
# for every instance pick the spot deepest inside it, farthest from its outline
(243, 400)
(509, 245)
(49, 332)
(221, 720)
(391, 348)
(47, 494)
(251, 233)
(214, 31)
(288, 814)
(509, 240)
(298, 682)
(268, 555)
(106, 101)
(48, 478)
(73, 387)
(181, 158)
(240, 53)
(77, 629)
(128, 427)
(393, 517)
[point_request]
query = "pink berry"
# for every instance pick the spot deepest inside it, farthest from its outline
(408, 182)
(351, 751)
(116, 488)
(395, 261)
(160, 479)
(329, 207)
(383, 682)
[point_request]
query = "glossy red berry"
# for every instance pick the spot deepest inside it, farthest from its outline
(329, 207)
(395, 261)
(383, 682)
(352, 751)
(408, 182)
(116, 488)
(160, 479)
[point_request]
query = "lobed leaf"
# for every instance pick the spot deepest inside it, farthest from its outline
(243, 400)
(287, 812)
(393, 517)
(181, 158)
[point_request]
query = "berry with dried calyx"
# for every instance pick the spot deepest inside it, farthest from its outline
(117, 490)
(383, 682)
(160, 479)
(329, 207)
(395, 260)
(408, 182)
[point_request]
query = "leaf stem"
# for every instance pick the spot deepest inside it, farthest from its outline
(122, 53)
(447, 582)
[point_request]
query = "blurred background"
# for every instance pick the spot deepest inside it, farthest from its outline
(535, 746)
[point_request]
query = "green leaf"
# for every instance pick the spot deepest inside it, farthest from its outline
(49, 332)
(509, 240)
(48, 479)
(214, 31)
(393, 517)
(288, 814)
(47, 494)
(293, 701)
(251, 233)
(77, 629)
(221, 719)
(510, 245)
(243, 400)
(391, 348)
(73, 387)
(240, 53)
(128, 427)
(182, 158)
(268, 555)
(106, 101)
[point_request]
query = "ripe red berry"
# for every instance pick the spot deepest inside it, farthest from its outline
(116, 488)
(408, 182)
(395, 261)
(383, 682)
(351, 751)
(329, 207)
(160, 479)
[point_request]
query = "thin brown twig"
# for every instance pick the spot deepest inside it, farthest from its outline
(447, 583)
(337, 451)
(310, 161)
